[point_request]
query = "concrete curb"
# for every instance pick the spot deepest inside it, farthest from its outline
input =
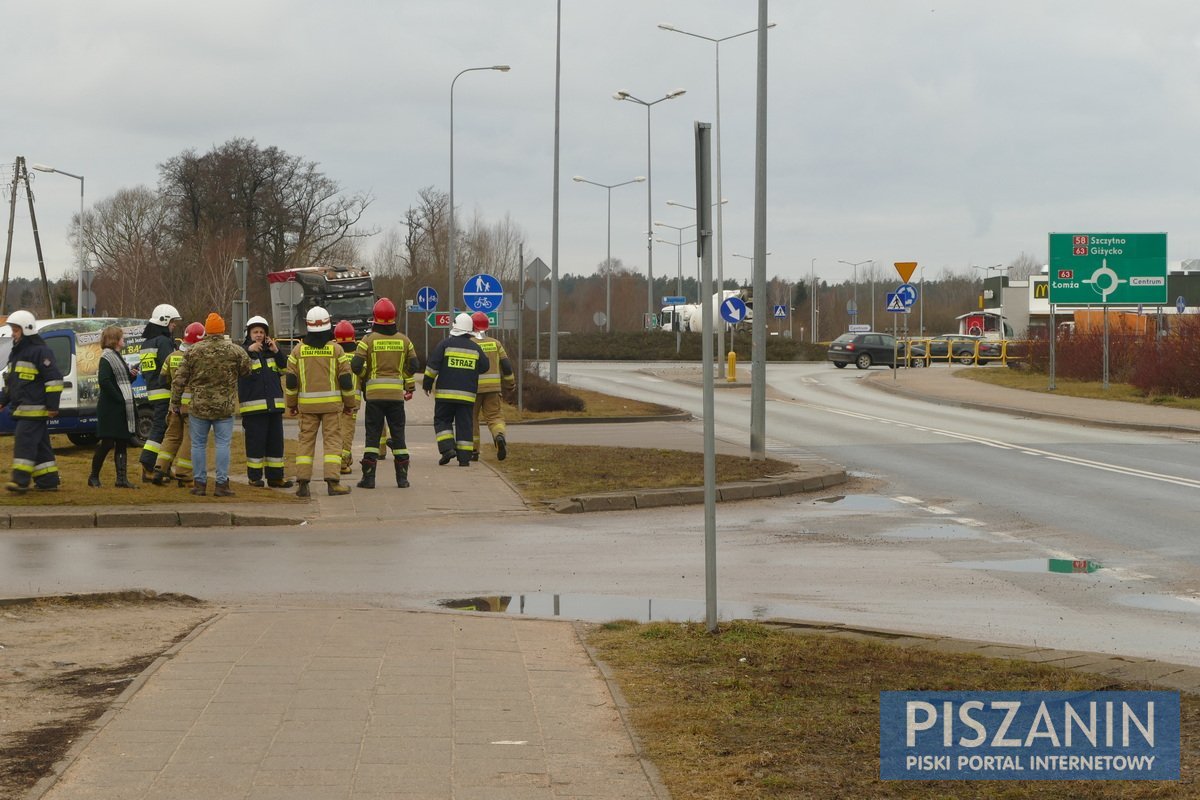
(150, 518)
(678, 416)
(887, 386)
(792, 483)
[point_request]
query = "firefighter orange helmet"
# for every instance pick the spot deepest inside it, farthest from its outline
(384, 312)
(480, 321)
(193, 333)
(344, 331)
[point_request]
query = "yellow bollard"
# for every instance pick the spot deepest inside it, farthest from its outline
(731, 367)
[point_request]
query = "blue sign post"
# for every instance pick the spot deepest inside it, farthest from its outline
(427, 298)
(907, 294)
(483, 292)
(781, 312)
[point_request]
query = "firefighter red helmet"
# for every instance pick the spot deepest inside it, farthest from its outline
(384, 312)
(193, 333)
(480, 321)
(344, 331)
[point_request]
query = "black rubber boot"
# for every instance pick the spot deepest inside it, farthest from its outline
(501, 447)
(121, 459)
(401, 465)
(368, 475)
(160, 477)
(97, 463)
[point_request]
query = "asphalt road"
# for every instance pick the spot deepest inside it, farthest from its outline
(947, 529)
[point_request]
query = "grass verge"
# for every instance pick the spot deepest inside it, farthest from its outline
(75, 464)
(597, 405)
(1038, 382)
(549, 472)
(757, 713)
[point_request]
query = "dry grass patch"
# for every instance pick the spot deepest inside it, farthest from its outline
(596, 405)
(75, 464)
(757, 713)
(548, 472)
(1037, 382)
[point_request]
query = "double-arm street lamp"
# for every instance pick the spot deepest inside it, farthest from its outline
(623, 95)
(82, 251)
(720, 240)
(679, 257)
(855, 265)
(608, 250)
(450, 241)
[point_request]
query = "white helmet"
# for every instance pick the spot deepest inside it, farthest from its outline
(462, 324)
(317, 320)
(163, 313)
(23, 320)
(257, 320)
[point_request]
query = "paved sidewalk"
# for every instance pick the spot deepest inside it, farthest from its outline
(364, 704)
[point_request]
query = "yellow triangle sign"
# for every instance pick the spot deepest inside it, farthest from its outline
(906, 269)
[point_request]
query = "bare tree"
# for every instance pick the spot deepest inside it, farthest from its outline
(127, 237)
(1023, 266)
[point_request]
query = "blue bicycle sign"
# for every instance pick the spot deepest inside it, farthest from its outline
(427, 298)
(483, 292)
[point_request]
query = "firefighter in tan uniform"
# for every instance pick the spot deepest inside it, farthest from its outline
(498, 378)
(319, 388)
(343, 334)
(386, 361)
(176, 445)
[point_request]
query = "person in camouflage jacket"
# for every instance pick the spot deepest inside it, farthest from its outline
(210, 371)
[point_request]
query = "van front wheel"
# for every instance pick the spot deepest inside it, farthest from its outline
(145, 424)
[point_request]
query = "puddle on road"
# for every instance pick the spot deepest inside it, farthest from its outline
(1159, 602)
(934, 532)
(858, 502)
(603, 608)
(1012, 565)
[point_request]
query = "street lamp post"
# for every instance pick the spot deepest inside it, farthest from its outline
(623, 95)
(678, 278)
(812, 291)
(608, 251)
(748, 258)
(450, 242)
(717, 136)
(855, 265)
(82, 252)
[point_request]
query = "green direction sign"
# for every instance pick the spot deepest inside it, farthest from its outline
(443, 319)
(1108, 269)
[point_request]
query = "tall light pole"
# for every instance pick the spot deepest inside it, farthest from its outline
(855, 265)
(608, 257)
(678, 277)
(82, 252)
(717, 136)
(748, 258)
(623, 95)
(812, 301)
(450, 241)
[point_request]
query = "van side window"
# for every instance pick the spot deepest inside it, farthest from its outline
(61, 347)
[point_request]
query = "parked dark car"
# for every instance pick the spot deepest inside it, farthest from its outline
(866, 349)
(959, 347)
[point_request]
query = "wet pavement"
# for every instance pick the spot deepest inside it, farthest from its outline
(360, 702)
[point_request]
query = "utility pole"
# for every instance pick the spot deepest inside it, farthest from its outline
(21, 173)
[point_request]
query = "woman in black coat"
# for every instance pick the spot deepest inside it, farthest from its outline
(116, 418)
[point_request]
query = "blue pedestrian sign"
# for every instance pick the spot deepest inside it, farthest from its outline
(895, 304)
(483, 292)
(907, 294)
(780, 312)
(733, 310)
(427, 298)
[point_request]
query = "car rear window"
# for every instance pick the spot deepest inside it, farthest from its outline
(844, 338)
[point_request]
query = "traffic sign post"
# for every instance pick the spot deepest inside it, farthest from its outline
(1108, 269)
(483, 292)
(427, 298)
(895, 304)
(1180, 304)
(780, 312)
(905, 269)
(733, 310)
(439, 319)
(907, 294)
(674, 300)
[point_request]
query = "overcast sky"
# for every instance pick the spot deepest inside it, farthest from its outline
(947, 133)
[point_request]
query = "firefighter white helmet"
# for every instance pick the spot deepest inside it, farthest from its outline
(23, 320)
(163, 313)
(462, 324)
(317, 320)
(257, 320)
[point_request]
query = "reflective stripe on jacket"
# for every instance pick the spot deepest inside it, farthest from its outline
(499, 367)
(386, 363)
(33, 385)
(454, 369)
(316, 371)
